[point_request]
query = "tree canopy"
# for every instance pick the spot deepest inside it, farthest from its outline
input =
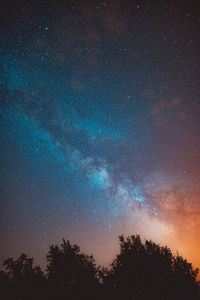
(70, 274)
(141, 270)
(149, 271)
(21, 280)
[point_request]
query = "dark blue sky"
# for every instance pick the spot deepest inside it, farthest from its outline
(99, 125)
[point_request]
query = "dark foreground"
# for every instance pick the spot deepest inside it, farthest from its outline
(140, 271)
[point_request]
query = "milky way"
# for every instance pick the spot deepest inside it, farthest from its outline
(100, 125)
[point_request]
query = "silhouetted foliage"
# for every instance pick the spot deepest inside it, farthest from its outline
(71, 274)
(21, 280)
(142, 270)
(148, 271)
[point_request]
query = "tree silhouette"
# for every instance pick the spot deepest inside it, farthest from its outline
(71, 274)
(142, 270)
(148, 271)
(21, 280)
(4, 286)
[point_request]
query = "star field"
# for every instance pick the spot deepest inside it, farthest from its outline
(99, 124)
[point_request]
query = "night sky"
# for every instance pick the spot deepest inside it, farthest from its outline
(99, 125)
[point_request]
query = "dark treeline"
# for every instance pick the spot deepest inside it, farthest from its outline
(142, 270)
